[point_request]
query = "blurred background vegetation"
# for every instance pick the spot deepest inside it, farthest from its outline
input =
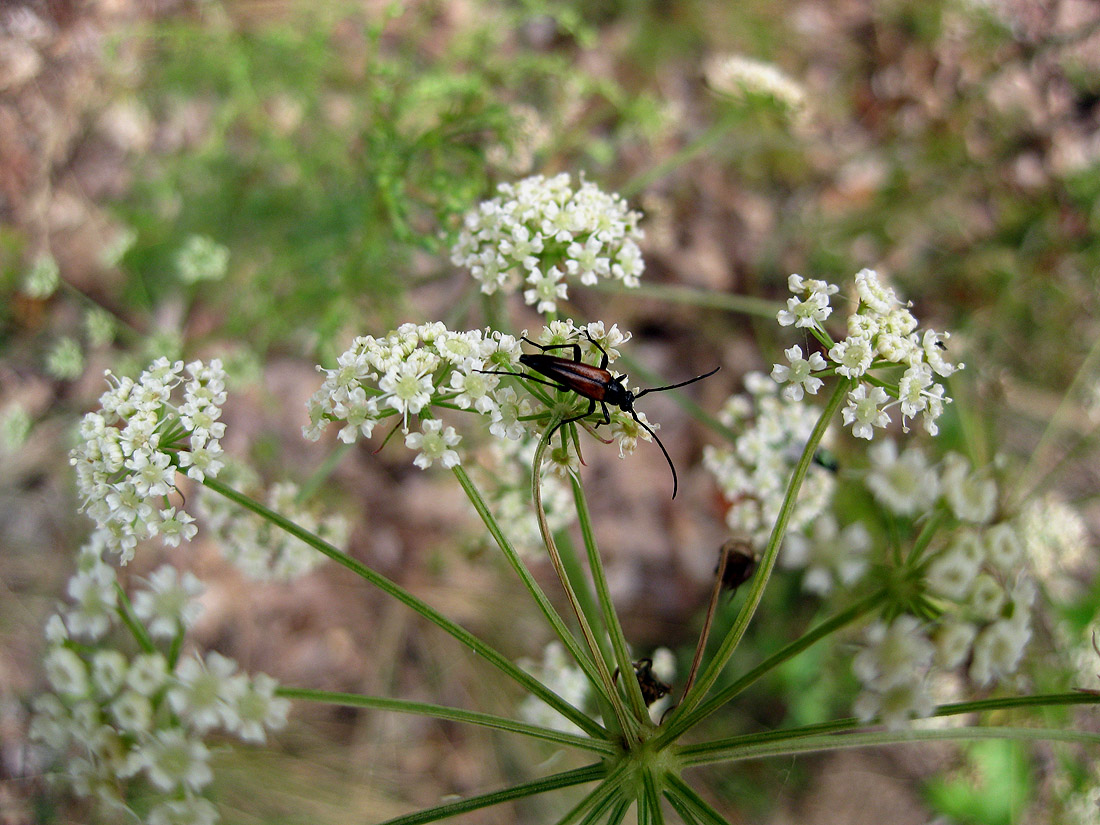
(261, 180)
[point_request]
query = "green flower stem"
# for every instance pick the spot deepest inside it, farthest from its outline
(529, 682)
(626, 723)
(577, 575)
(691, 806)
(650, 803)
(610, 617)
(451, 714)
(836, 726)
(767, 561)
(619, 812)
(126, 613)
(552, 616)
(743, 304)
(565, 779)
(927, 533)
(599, 799)
(710, 754)
(680, 723)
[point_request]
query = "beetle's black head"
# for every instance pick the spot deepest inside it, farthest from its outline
(616, 393)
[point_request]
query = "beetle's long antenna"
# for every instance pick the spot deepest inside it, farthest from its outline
(640, 393)
(671, 466)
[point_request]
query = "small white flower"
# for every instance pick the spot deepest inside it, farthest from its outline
(170, 603)
(1003, 547)
(506, 418)
(830, 556)
(205, 692)
(148, 672)
(987, 597)
(65, 360)
(952, 572)
(66, 672)
(799, 373)
(972, 497)
(864, 411)
(896, 705)
(259, 710)
(953, 643)
(626, 431)
(108, 671)
(434, 443)
(852, 356)
(475, 390)
(43, 278)
(893, 654)
(546, 289)
(906, 484)
(934, 344)
(96, 602)
(201, 259)
(878, 297)
(171, 760)
(998, 650)
(132, 712)
(408, 389)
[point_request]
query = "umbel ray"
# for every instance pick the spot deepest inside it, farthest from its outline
(598, 384)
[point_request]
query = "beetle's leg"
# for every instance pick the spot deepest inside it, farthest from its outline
(526, 375)
(591, 409)
(544, 347)
(606, 415)
(596, 344)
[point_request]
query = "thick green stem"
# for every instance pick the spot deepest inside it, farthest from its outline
(552, 616)
(681, 723)
(451, 714)
(529, 682)
(626, 723)
(708, 755)
(767, 560)
(610, 617)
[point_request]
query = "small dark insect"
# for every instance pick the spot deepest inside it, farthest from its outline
(597, 384)
(740, 564)
(652, 687)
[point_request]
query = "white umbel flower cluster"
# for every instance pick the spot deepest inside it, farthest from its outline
(743, 77)
(259, 549)
(131, 725)
(977, 591)
(421, 367)
(540, 231)
(882, 333)
(754, 469)
(130, 451)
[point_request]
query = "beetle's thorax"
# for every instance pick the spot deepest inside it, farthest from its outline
(619, 395)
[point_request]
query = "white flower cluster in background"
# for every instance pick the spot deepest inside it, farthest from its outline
(129, 451)
(742, 77)
(540, 231)
(753, 470)
(421, 367)
(43, 278)
(507, 465)
(201, 259)
(563, 676)
(976, 589)
(124, 726)
(259, 549)
(882, 333)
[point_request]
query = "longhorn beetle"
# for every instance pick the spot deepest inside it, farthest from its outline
(597, 384)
